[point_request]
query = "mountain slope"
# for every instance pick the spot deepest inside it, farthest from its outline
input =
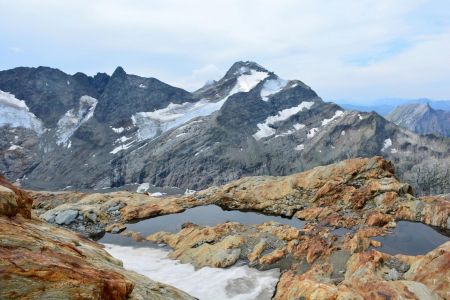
(422, 119)
(128, 129)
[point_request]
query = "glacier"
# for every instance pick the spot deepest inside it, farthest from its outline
(15, 113)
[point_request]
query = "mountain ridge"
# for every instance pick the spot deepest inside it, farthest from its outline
(126, 129)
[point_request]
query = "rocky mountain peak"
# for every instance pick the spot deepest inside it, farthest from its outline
(244, 67)
(119, 72)
(421, 118)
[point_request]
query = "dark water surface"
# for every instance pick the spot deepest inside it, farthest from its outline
(208, 215)
(407, 238)
(411, 238)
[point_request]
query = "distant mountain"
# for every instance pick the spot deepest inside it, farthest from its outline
(385, 106)
(379, 109)
(76, 131)
(421, 118)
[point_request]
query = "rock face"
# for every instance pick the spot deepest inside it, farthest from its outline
(77, 131)
(40, 261)
(422, 119)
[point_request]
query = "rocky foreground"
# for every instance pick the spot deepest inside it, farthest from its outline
(361, 196)
(41, 261)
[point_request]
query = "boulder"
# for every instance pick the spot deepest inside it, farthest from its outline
(66, 217)
(8, 202)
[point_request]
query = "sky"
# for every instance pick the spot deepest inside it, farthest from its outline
(353, 50)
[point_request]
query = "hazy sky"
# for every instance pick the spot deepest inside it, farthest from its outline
(357, 50)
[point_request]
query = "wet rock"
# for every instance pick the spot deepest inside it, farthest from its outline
(66, 217)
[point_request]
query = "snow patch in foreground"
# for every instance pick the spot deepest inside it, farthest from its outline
(15, 113)
(234, 283)
(265, 130)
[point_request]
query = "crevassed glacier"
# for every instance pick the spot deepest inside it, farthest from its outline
(15, 113)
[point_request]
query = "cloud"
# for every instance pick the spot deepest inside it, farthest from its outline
(200, 77)
(15, 49)
(342, 48)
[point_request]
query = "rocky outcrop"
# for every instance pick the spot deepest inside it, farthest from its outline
(350, 184)
(40, 261)
(21, 203)
(317, 263)
(373, 275)
(91, 214)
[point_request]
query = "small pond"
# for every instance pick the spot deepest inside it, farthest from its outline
(411, 238)
(208, 215)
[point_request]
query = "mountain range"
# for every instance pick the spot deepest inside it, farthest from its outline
(421, 118)
(385, 106)
(94, 132)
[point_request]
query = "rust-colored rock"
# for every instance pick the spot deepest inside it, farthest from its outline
(378, 219)
(23, 199)
(272, 257)
(40, 261)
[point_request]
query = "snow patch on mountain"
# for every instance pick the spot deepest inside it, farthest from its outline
(74, 118)
(15, 147)
(151, 124)
(265, 130)
(247, 82)
(118, 130)
(386, 144)
(299, 126)
(143, 187)
(15, 113)
(271, 87)
(121, 147)
(312, 132)
(336, 115)
(300, 147)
